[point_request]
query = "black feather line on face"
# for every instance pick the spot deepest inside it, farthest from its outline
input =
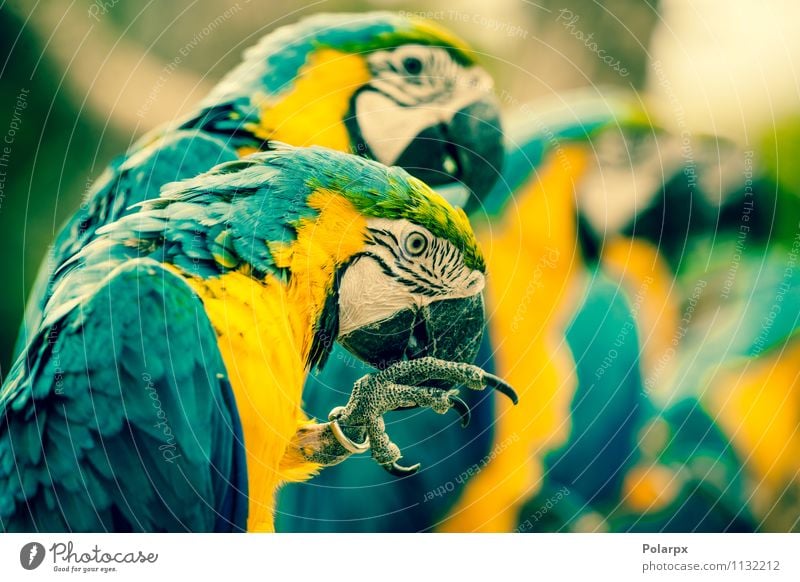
(227, 119)
(389, 235)
(327, 328)
(428, 286)
(422, 281)
(389, 241)
(414, 286)
(358, 144)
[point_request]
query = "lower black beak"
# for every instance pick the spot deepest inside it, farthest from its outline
(467, 151)
(450, 329)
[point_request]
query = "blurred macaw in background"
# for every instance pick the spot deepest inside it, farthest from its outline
(662, 438)
(162, 389)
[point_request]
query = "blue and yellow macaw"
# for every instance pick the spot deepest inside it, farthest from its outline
(679, 419)
(703, 249)
(737, 355)
(394, 88)
(162, 389)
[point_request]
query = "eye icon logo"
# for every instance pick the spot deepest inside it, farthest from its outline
(31, 555)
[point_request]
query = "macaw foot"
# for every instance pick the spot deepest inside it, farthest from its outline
(359, 425)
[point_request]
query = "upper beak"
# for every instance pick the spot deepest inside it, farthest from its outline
(467, 150)
(449, 329)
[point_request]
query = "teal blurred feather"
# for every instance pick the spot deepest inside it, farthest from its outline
(617, 426)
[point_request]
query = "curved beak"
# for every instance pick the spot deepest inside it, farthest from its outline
(456, 145)
(467, 150)
(449, 329)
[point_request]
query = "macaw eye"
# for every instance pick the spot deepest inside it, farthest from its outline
(416, 244)
(412, 65)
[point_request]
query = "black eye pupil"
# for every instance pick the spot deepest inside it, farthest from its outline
(412, 65)
(416, 244)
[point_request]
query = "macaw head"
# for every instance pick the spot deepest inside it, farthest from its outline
(394, 88)
(415, 287)
(368, 255)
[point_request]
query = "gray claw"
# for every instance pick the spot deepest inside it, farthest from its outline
(399, 470)
(501, 386)
(401, 387)
(463, 409)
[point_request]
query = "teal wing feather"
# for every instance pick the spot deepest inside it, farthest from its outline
(745, 308)
(118, 416)
(131, 179)
(609, 403)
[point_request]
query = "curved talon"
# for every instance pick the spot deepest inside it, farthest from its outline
(348, 444)
(399, 387)
(501, 386)
(463, 409)
(399, 470)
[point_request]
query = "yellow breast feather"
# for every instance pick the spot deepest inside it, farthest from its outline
(264, 332)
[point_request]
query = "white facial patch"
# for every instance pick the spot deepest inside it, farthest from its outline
(399, 106)
(367, 295)
(387, 280)
(387, 127)
(616, 186)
